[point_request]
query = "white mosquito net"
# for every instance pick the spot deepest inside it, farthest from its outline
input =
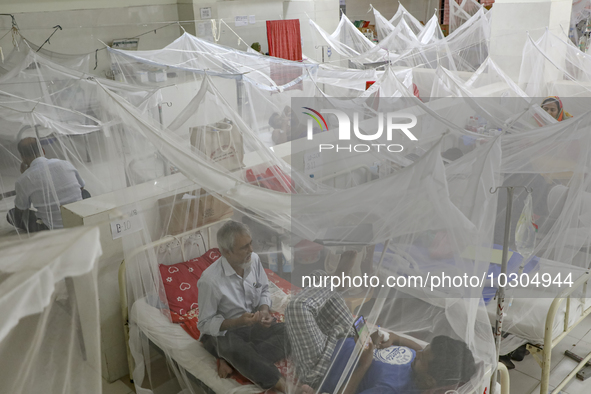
(431, 31)
(199, 134)
(58, 145)
(464, 50)
(461, 11)
(581, 11)
(383, 25)
(553, 66)
(21, 47)
(421, 212)
(403, 15)
(346, 40)
(50, 330)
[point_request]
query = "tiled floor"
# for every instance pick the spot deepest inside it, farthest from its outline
(118, 387)
(525, 378)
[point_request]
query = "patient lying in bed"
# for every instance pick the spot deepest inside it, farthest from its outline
(319, 327)
(400, 365)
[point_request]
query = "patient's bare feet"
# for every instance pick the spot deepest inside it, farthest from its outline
(281, 387)
(304, 389)
(225, 369)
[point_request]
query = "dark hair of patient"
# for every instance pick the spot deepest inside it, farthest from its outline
(274, 121)
(29, 147)
(453, 363)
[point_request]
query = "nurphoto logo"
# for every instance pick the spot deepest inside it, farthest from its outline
(393, 120)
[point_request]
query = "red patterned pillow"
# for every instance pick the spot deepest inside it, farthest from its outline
(180, 281)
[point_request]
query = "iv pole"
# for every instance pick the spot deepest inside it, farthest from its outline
(501, 292)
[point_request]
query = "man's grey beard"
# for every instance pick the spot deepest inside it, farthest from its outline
(246, 266)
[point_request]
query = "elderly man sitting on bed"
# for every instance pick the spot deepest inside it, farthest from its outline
(234, 317)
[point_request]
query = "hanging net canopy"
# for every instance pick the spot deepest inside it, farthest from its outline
(512, 110)
(346, 40)
(552, 66)
(54, 125)
(464, 50)
(431, 31)
(461, 11)
(22, 46)
(260, 88)
(339, 82)
(50, 330)
(383, 25)
(179, 62)
(428, 33)
(403, 15)
(415, 210)
(345, 82)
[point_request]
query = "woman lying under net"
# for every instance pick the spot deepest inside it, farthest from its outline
(319, 327)
(553, 105)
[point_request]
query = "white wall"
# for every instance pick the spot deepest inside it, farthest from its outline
(324, 12)
(17, 6)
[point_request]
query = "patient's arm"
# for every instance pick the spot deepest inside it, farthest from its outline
(394, 340)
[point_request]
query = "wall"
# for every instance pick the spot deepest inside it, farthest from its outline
(324, 12)
(82, 29)
(86, 23)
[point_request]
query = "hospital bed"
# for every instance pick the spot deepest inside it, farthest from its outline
(547, 323)
(170, 338)
(185, 351)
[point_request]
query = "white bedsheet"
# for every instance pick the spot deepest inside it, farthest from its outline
(185, 350)
(532, 325)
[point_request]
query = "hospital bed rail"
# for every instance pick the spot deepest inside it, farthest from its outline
(543, 355)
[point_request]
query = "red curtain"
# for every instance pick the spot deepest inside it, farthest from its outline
(284, 39)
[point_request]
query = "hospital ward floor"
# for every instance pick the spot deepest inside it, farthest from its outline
(525, 378)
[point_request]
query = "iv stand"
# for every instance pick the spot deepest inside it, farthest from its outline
(501, 292)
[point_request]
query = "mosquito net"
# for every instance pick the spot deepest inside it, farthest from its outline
(553, 66)
(347, 40)
(460, 12)
(383, 25)
(351, 230)
(376, 212)
(49, 332)
(403, 15)
(581, 11)
(188, 57)
(21, 47)
(464, 50)
(54, 125)
(320, 202)
(431, 31)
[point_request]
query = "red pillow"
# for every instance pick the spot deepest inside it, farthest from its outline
(180, 281)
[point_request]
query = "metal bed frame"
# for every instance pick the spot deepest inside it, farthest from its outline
(543, 355)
